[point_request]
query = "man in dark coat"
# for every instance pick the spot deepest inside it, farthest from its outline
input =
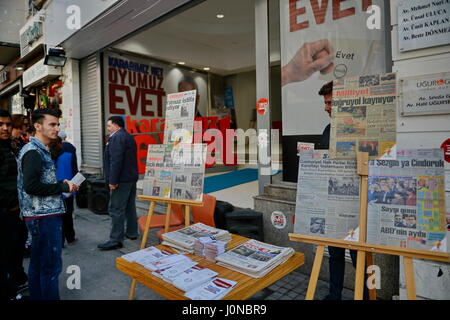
(121, 175)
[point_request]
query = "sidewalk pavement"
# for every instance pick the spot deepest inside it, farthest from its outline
(100, 280)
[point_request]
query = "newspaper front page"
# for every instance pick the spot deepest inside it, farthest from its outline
(158, 171)
(327, 203)
(407, 200)
(189, 171)
(363, 116)
(179, 124)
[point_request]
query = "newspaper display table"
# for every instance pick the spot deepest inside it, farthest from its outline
(246, 285)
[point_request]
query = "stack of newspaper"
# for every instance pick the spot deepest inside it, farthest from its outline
(215, 289)
(209, 248)
(214, 249)
(254, 258)
(183, 240)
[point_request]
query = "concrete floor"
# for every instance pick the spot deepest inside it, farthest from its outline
(100, 280)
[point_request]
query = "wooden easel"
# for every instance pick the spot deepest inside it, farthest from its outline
(365, 251)
(187, 204)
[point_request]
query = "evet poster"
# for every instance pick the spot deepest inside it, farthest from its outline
(324, 40)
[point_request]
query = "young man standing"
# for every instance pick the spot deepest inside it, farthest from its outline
(337, 255)
(42, 206)
(121, 175)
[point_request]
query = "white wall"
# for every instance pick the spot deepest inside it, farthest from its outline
(244, 91)
(423, 132)
(71, 105)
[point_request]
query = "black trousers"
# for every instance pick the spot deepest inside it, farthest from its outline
(67, 225)
(13, 235)
(337, 272)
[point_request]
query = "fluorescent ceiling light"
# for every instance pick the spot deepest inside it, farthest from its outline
(182, 63)
(220, 16)
(206, 68)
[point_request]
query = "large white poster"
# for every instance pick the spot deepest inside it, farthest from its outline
(322, 41)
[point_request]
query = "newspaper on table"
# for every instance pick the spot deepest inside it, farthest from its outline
(170, 273)
(158, 171)
(166, 262)
(185, 238)
(254, 258)
(193, 277)
(406, 200)
(215, 289)
(149, 254)
(189, 171)
(363, 116)
(179, 124)
(327, 203)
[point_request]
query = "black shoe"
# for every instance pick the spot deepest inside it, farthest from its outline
(110, 245)
(131, 238)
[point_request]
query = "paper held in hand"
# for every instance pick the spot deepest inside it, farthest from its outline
(77, 180)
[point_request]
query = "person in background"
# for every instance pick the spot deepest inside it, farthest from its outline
(121, 175)
(25, 127)
(68, 147)
(66, 169)
(13, 232)
(42, 206)
(337, 255)
(17, 132)
(188, 84)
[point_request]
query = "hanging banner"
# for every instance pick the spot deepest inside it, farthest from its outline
(322, 41)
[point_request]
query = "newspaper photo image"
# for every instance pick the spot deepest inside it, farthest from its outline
(327, 203)
(158, 171)
(254, 258)
(363, 116)
(185, 238)
(189, 171)
(179, 124)
(406, 200)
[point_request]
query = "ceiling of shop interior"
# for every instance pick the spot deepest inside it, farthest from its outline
(198, 38)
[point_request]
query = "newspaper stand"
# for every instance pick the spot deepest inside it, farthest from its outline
(365, 251)
(169, 201)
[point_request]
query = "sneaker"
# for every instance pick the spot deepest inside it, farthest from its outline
(110, 245)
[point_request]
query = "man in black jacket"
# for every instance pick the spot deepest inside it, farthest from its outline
(13, 232)
(121, 175)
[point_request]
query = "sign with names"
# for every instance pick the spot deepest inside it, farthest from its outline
(426, 94)
(423, 24)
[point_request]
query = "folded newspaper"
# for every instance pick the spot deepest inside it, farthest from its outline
(254, 258)
(171, 273)
(149, 254)
(193, 277)
(215, 289)
(184, 239)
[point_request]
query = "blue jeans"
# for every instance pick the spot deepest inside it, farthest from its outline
(46, 262)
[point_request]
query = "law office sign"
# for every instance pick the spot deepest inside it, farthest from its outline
(426, 94)
(423, 24)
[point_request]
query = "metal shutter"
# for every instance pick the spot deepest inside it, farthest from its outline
(91, 114)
